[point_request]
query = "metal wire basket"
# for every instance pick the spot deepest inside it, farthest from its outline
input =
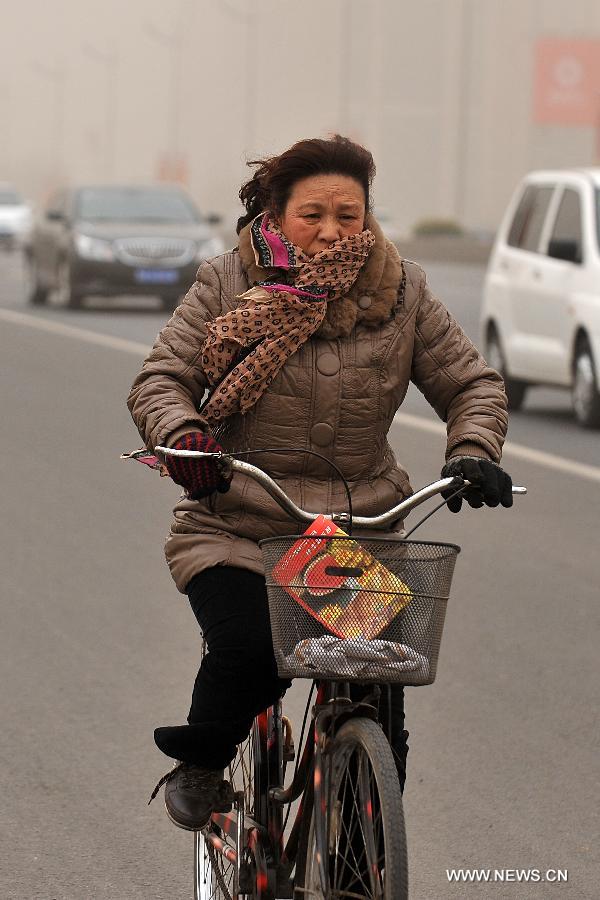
(367, 610)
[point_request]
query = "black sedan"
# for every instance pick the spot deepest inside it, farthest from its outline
(108, 241)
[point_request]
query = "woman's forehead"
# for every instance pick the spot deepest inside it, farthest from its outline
(325, 189)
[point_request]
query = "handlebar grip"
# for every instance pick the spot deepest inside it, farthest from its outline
(194, 454)
(517, 489)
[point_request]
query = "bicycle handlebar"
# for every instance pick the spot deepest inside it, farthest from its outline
(400, 511)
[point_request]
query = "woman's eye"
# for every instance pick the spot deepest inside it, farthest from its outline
(311, 216)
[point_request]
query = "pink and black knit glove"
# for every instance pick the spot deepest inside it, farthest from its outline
(200, 477)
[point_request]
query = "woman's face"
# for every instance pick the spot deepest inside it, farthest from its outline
(322, 209)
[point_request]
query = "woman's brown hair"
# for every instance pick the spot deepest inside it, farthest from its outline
(271, 185)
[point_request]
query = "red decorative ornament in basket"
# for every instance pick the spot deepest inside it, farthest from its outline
(340, 583)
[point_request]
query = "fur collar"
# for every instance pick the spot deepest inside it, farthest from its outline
(372, 297)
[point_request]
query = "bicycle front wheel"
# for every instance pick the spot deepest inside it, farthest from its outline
(365, 840)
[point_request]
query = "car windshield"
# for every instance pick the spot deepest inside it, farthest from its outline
(9, 198)
(135, 205)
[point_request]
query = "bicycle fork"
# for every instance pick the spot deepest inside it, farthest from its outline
(327, 719)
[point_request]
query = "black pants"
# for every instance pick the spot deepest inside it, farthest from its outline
(238, 675)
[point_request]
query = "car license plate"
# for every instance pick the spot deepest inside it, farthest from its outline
(156, 276)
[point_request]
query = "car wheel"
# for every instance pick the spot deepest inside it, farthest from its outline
(67, 295)
(36, 293)
(515, 389)
(585, 395)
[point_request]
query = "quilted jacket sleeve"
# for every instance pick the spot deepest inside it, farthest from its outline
(165, 396)
(456, 380)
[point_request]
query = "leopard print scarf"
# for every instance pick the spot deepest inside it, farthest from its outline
(276, 318)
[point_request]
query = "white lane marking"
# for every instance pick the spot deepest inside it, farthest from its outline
(538, 457)
(81, 334)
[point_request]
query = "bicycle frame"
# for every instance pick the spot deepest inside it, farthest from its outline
(262, 838)
(260, 835)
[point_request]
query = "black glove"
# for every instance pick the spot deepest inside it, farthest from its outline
(489, 483)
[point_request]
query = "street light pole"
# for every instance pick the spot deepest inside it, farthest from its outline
(173, 41)
(345, 31)
(464, 50)
(109, 59)
(5, 116)
(596, 154)
(56, 75)
(250, 20)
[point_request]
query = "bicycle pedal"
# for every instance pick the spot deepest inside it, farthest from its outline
(246, 880)
(289, 753)
(284, 888)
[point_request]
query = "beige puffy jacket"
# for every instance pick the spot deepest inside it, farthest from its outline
(337, 395)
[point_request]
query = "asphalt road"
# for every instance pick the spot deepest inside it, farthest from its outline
(97, 646)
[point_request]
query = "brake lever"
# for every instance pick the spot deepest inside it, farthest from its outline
(225, 467)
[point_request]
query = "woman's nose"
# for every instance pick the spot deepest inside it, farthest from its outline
(330, 230)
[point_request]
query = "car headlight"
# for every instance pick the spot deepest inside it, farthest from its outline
(94, 248)
(214, 246)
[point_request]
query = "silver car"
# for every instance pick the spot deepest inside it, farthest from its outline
(15, 218)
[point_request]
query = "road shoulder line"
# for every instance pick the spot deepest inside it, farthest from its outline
(72, 331)
(520, 451)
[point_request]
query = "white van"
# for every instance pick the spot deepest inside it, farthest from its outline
(540, 317)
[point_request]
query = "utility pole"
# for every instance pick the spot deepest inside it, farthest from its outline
(109, 60)
(56, 77)
(250, 20)
(345, 31)
(5, 116)
(464, 48)
(173, 42)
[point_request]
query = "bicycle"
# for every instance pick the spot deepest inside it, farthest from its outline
(348, 838)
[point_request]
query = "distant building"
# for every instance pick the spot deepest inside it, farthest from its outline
(456, 98)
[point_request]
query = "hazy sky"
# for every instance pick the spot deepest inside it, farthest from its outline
(103, 89)
(440, 91)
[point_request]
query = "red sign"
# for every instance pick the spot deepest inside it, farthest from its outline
(567, 82)
(173, 167)
(339, 583)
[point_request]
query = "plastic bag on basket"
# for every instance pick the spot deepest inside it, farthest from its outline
(351, 658)
(339, 583)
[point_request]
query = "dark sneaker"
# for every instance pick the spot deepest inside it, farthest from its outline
(193, 793)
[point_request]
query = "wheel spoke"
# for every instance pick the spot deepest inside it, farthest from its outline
(352, 858)
(241, 773)
(217, 872)
(214, 875)
(341, 854)
(367, 799)
(365, 846)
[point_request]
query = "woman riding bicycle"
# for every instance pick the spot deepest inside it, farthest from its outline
(307, 335)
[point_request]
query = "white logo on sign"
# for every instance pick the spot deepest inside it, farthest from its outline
(568, 72)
